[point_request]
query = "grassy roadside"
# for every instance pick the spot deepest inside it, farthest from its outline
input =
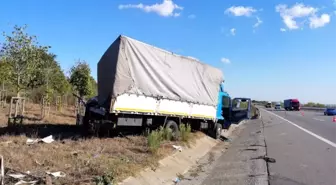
(84, 161)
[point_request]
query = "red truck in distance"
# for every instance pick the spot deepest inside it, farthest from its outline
(292, 104)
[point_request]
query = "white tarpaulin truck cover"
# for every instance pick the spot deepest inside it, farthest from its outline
(131, 66)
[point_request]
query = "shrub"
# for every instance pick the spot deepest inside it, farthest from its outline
(185, 132)
(167, 134)
(106, 179)
(154, 140)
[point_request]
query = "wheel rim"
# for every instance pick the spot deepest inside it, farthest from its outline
(173, 130)
(218, 131)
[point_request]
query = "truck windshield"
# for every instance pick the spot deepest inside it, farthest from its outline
(295, 104)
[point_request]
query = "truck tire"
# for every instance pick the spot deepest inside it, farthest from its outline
(87, 127)
(217, 131)
(174, 128)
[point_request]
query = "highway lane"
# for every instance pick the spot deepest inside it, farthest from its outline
(302, 156)
(315, 122)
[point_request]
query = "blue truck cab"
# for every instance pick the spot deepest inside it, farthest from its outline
(232, 111)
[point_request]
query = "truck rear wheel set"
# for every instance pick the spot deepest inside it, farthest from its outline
(172, 125)
(217, 131)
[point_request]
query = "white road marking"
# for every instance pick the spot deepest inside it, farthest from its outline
(305, 130)
(317, 119)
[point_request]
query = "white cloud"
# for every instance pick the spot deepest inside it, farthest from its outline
(225, 61)
(258, 23)
(166, 9)
(192, 16)
(283, 29)
(233, 31)
(290, 15)
(240, 11)
(316, 22)
(177, 14)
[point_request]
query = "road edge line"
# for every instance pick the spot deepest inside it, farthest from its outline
(303, 129)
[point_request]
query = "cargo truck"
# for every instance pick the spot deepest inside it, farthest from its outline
(145, 87)
(292, 104)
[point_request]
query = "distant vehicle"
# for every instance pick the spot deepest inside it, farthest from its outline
(330, 112)
(268, 105)
(277, 105)
(292, 104)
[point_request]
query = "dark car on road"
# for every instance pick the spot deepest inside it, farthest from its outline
(330, 112)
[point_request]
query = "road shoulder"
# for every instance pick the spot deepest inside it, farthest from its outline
(238, 162)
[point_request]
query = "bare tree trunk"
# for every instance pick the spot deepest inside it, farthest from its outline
(18, 86)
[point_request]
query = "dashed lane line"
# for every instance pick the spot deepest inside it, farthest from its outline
(317, 119)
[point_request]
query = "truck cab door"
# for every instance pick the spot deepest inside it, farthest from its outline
(241, 109)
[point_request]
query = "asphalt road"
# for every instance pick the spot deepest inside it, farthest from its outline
(303, 144)
(235, 163)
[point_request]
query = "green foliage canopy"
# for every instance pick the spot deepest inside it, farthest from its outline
(81, 80)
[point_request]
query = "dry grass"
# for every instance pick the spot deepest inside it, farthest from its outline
(81, 159)
(33, 115)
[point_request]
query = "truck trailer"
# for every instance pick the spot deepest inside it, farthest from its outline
(292, 104)
(143, 86)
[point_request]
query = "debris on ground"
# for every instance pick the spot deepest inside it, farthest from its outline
(47, 140)
(179, 148)
(56, 174)
(16, 176)
(22, 182)
(176, 180)
(26, 148)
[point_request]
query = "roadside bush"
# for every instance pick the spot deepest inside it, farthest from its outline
(185, 132)
(154, 140)
(167, 134)
(156, 137)
(106, 179)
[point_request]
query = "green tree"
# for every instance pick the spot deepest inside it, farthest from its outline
(93, 87)
(4, 73)
(81, 79)
(50, 75)
(312, 104)
(23, 54)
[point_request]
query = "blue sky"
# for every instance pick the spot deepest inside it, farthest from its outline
(268, 50)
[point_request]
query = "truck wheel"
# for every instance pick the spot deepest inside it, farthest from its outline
(87, 126)
(217, 131)
(174, 128)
